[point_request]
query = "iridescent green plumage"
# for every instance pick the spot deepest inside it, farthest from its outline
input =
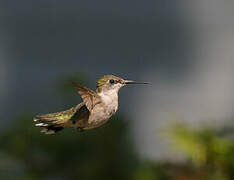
(102, 81)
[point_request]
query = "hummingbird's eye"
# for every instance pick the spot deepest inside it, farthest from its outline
(112, 81)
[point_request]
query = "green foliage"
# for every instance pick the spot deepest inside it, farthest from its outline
(206, 149)
(150, 171)
(98, 154)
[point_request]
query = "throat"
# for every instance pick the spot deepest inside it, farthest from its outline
(110, 100)
(108, 97)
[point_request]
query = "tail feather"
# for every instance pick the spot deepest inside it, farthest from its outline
(52, 123)
(51, 130)
(49, 127)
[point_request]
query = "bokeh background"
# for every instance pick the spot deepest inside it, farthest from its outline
(180, 127)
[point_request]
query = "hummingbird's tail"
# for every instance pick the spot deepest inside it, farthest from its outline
(54, 122)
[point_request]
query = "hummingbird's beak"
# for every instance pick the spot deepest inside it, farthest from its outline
(134, 82)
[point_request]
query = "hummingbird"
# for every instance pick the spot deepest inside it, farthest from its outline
(95, 110)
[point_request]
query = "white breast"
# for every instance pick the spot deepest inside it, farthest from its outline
(104, 110)
(110, 99)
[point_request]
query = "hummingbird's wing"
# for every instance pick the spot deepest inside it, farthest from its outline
(90, 97)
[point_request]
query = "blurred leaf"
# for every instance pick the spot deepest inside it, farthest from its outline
(206, 148)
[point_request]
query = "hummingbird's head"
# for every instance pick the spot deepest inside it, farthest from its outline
(113, 83)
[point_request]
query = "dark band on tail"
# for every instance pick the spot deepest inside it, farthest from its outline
(51, 130)
(50, 127)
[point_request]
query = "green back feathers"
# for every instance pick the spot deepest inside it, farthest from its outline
(64, 116)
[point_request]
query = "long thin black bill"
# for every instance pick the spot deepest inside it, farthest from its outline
(134, 82)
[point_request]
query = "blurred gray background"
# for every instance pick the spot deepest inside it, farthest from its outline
(185, 48)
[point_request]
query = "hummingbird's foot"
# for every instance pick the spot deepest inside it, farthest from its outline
(80, 129)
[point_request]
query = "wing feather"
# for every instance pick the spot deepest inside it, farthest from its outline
(89, 96)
